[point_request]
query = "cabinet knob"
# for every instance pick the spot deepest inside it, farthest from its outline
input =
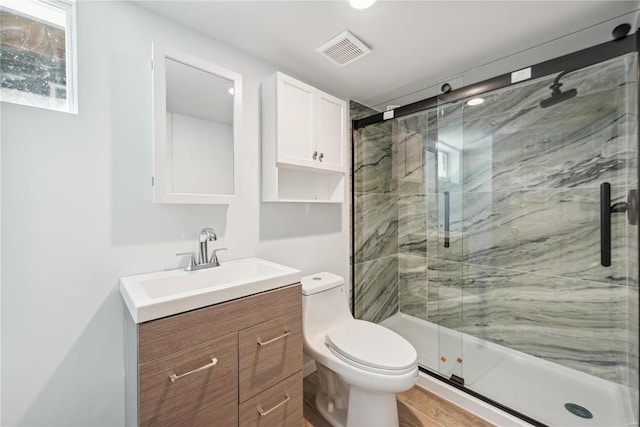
(315, 155)
(321, 156)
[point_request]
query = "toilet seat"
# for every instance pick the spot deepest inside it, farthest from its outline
(372, 347)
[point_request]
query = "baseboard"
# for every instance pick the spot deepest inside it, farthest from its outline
(309, 366)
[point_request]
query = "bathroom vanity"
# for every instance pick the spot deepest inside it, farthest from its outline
(232, 363)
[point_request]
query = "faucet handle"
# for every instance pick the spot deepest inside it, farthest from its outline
(214, 256)
(191, 263)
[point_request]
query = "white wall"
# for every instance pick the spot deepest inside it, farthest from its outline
(77, 214)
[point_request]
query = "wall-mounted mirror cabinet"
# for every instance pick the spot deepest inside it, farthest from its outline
(196, 112)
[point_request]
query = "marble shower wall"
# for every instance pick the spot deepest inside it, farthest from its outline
(522, 268)
(523, 265)
(375, 254)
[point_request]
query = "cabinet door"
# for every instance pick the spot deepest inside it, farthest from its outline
(295, 122)
(331, 132)
(194, 387)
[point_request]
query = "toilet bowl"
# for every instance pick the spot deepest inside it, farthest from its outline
(361, 365)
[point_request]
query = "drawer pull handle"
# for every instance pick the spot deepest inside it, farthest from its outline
(174, 377)
(274, 339)
(263, 413)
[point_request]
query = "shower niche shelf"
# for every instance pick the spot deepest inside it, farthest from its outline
(304, 136)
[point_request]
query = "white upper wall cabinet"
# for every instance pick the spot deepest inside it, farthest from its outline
(310, 126)
(295, 122)
(331, 134)
(304, 134)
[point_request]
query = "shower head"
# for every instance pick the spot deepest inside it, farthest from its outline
(557, 95)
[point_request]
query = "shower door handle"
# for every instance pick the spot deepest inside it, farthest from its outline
(446, 219)
(605, 224)
(606, 209)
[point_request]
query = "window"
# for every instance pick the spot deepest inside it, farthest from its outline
(37, 53)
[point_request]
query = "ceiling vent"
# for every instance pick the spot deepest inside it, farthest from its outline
(343, 49)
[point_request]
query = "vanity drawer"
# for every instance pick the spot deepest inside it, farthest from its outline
(270, 352)
(280, 405)
(205, 393)
(161, 337)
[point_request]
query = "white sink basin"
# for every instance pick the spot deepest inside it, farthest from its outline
(154, 295)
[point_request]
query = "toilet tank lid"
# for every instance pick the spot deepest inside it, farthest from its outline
(319, 282)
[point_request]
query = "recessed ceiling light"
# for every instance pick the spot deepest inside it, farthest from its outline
(231, 90)
(361, 4)
(475, 101)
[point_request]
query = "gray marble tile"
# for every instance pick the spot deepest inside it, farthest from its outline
(376, 229)
(377, 289)
(576, 144)
(432, 118)
(514, 144)
(394, 155)
(414, 123)
(412, 225)
(632, 128)
(444, 293)
(431, 166)
(597, 78)
(412, 285)
(417, 162)
(632, 337)
(576, 323)
(633, 308)
(548, 232)
(449, 114)
(434, 240)
(412, 161)
(359, 111)
(374, 170)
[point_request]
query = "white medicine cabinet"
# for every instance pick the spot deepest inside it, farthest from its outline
(196, 112)
(304, 134)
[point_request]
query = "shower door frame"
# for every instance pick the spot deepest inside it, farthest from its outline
(572, 61)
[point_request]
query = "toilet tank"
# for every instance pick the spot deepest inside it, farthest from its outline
(324, 303)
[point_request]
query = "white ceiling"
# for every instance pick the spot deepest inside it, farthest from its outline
(414, 43)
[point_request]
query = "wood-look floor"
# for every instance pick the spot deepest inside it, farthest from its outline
(417, 407)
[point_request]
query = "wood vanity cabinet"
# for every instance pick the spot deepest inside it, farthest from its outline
(237, 363)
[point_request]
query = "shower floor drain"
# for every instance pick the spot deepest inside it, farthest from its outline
(577, 410)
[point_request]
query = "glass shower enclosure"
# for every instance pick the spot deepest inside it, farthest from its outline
(499, 237)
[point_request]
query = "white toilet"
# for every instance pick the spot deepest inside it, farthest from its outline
(361, 365)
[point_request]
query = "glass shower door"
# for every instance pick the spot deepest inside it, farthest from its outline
(445, 252)
(478, 238)
(548, 329)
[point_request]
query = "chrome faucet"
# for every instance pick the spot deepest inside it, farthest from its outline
(203, 261)
(206, 235)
